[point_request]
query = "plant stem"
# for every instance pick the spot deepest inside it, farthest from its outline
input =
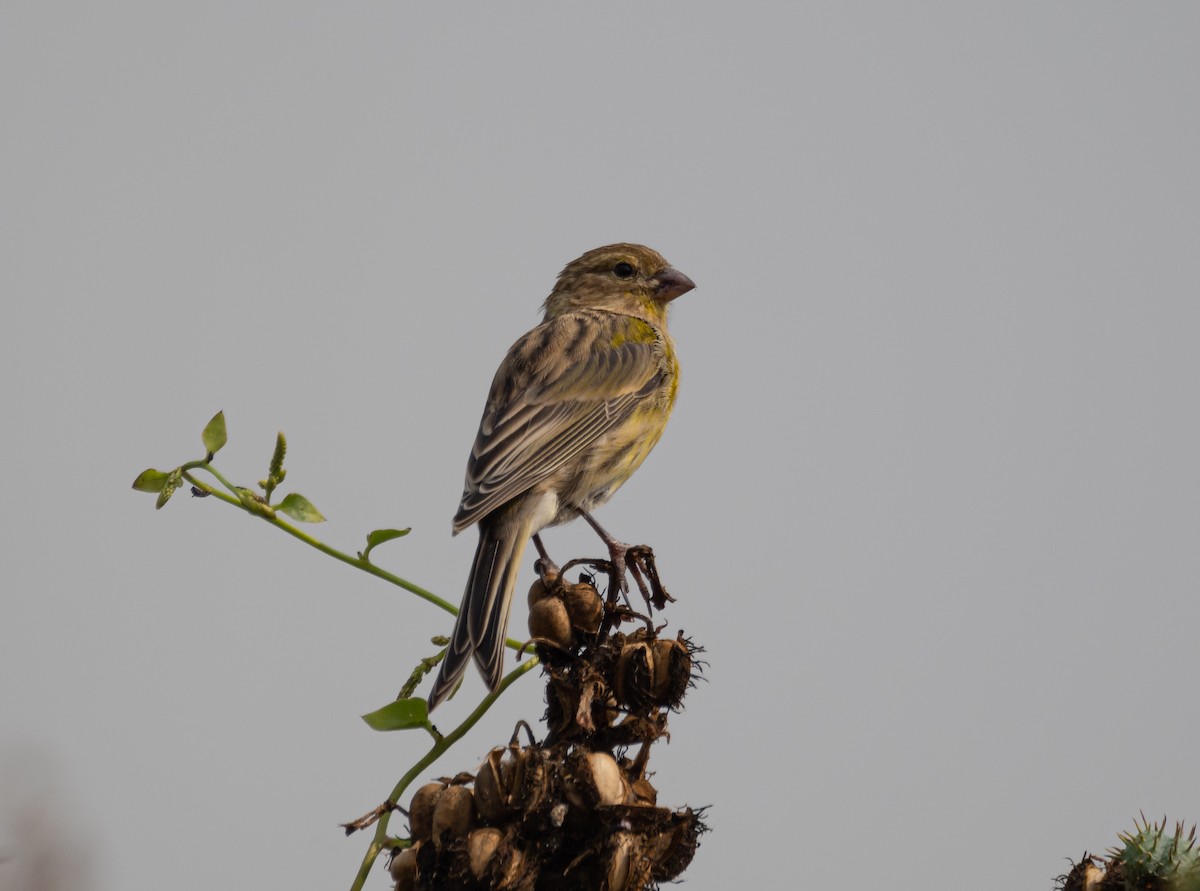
(354, 561)
(379, 842)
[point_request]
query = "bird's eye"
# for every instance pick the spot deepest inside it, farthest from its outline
(623, 270)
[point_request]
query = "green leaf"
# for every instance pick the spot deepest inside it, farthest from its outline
(151, 480)
(299, 508)
(403, 714)
(379, 536)
(214, 433)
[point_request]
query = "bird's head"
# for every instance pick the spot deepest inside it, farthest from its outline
(625, 278)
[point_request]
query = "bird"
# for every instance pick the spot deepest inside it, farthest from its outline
(574, 409)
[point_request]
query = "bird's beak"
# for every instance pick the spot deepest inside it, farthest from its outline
(670, 283)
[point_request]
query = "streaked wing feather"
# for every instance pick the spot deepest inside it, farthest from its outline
(557, 414)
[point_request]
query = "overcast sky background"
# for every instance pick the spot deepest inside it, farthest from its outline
(930, 498)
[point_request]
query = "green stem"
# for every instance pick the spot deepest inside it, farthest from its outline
(205, 465)
(291, 530)
(238, 499)
(355, 561)
(379, 842)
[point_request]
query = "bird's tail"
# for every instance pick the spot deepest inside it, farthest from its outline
(482, 623)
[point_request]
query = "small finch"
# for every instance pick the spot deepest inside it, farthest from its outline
(574, 409)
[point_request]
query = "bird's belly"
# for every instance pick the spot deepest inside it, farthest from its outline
(593, 477)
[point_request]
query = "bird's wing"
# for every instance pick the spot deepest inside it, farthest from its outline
(561, 387)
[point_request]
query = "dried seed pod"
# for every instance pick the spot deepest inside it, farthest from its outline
(481, 848)
(653, 674)
(453, 816)
(595, 779)
(544, 586)
(1093, 877)
(403, 868)
(674, 847)
(539, 590)
(643, 792)
(494, 861)
(672, 671)
(491, 792)
(420, 811)
(529, 783)
(548, 620)
(639, 729)
(627, 865)
(634, 684)
(584, 607)
(511, 781)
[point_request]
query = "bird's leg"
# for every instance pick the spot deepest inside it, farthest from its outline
(544, 566)
(616, 554)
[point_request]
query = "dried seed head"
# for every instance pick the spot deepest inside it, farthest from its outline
(635, 676)
(403, 868)
(653, 674)
(420, 811)
(481, 848)
(672, 671)
(643, 792)
(539, 590)
(491, 794)
(529, 784)
(549, 621)
(675, 846)
(627, 867)
(594, 779)
(494, 861)
(511, 781)
(584, 607)
(453, 816)
(1093, 877)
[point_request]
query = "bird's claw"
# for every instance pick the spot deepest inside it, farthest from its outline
(645, 573)
(546, 569)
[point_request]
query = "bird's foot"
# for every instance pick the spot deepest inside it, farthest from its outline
(618, 567)
(548, 571)
(640, 560)
(637, 560)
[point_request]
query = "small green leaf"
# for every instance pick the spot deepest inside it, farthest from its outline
(151, 480)
(214, 433)
(299, 508)
(379, 536)
(403, 714)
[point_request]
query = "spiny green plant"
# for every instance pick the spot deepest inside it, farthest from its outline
(1151, 857)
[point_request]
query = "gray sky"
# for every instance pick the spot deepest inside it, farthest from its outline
(929, 498)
